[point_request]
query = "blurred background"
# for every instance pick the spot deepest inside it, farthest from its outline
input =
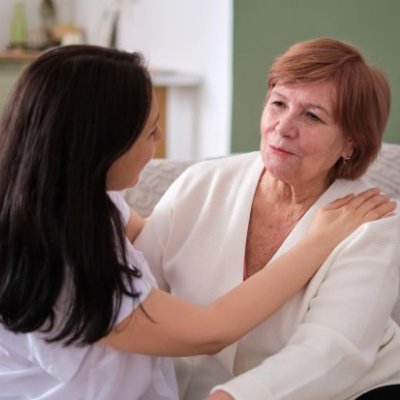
(208, 58)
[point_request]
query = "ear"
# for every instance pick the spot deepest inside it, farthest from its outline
(348, 149)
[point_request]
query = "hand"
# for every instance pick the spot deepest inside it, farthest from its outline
(339, 219)
(219, 395)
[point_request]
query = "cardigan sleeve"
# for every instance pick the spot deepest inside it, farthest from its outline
(339, 337)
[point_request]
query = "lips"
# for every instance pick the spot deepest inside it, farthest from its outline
(280, 150)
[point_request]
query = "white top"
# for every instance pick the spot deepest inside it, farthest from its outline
(334, 339)
(32, 369)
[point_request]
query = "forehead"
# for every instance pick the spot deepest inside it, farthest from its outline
(309, 93)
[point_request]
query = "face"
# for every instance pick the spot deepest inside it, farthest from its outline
(125, 171)
(300, 140)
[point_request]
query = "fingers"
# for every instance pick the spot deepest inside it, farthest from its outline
(363, 198)
(374, 204)
(342, 217)
(364, 202)
(384, 207)
(365, 206)
(339, 202)
(371, 205)
(353, 201)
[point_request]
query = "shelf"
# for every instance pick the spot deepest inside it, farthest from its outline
(15, 56)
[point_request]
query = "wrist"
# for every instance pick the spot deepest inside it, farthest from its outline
(319, 243)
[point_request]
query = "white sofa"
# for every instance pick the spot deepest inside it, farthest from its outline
(160, 173)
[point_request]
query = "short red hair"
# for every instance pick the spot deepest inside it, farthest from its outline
(362, 98)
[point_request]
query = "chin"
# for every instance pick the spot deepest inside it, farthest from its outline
(123, 186)
(283, 173)
(134, 181)
(280, 169)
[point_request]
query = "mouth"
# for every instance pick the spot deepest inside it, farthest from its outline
(280, 150)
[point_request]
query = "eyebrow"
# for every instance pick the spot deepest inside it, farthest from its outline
(307, 105)
(311, 105)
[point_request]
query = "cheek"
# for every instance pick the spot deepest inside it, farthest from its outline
(149, 153)
(336, 146)
(266, 122)
(324, 152)
(146, 153)
(266, 130)
(313, 147)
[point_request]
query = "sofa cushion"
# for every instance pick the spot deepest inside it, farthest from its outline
(154, 181)
(385, 171)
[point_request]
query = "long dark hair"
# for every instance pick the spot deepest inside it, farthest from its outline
(73, 112)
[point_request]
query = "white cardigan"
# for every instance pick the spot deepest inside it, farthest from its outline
(333, 340)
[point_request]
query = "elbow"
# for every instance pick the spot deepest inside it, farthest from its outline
(214, 345)
(209, 343)
(213, 332)
(205, 345)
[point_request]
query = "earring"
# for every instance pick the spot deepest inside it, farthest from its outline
(345, 159)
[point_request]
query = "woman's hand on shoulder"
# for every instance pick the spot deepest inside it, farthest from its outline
(342, 217)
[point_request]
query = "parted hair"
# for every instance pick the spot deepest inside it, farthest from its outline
(361, 94)
(72, 113)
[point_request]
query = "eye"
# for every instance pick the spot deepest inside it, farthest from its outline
(277, 103)
(313, 117)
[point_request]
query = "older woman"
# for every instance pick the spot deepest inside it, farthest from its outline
(224, 220)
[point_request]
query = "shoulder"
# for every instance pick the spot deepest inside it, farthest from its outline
(121, 205)
(352, 186)
(345, 186)
(376, 237)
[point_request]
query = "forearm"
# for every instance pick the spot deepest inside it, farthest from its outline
(178, 328)
(262, 294)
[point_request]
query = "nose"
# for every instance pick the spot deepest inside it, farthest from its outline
(286, 125)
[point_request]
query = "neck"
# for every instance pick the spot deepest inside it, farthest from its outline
(302, 194)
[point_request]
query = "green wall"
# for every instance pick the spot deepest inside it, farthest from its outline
(265, 28)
